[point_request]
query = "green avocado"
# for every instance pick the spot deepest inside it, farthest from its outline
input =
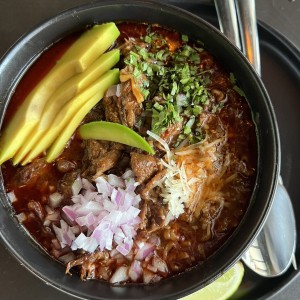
(89, 46)
(114, 132)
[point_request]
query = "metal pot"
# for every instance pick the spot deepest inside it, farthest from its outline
(26, 50)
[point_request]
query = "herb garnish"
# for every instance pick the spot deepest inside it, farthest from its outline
(173, 83)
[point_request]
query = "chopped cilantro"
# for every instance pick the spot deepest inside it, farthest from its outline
(173, 83)
(232, 78)
(239, 91)
(185, 38)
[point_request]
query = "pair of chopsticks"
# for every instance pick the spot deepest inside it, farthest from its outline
(237, 19)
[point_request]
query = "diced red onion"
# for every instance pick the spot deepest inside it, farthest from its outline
(87, 185)
(154, 240)
(145, 251)
(106, 215)
(115, 181)
(120, 275)
(70, 213)
(128, 174)
(135, 270)
(64, 234)
(121, 248)
(87, 220)
(12, 197)
(86, 243)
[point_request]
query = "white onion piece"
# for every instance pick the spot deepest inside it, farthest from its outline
(76, 186)
(47, 223)
(21, 217)
(159, 264)
(147, 276)
(118, 92)
(12, 197)
(48, 209)
(120, 275)
(115, 181)
(54, 216)
(67, 257)
(114, 90)
(55, 199)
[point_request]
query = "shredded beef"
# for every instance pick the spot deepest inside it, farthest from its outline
(171, 134)
(88, 264)
(124, 109)
(151, 190)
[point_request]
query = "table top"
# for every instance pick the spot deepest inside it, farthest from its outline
(18, 17)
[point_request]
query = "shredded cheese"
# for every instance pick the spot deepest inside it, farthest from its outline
(175, 190)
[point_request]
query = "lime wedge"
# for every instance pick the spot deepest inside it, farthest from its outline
(114, 132)
(222, 288)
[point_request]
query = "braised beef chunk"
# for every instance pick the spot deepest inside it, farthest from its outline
(99, 157)
(128, 106)
(153, 215)
(143, 166)
(32, 172)
(65, 184)
(124, 109)
(111, 109)
(96, 114)
(37, 208)
(65, 166)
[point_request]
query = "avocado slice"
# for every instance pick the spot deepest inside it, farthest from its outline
(89, 46)
(62, 95)
(69, 110)
(114, 132)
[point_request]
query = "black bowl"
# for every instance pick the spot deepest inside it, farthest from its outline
(23, 54)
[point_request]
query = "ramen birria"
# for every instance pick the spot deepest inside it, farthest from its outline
(134, 162)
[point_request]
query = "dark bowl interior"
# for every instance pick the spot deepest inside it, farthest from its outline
(28, 48)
